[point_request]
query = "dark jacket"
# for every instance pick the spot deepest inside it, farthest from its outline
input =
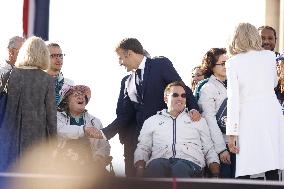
(158, 73)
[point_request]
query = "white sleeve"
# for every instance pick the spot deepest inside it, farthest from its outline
(99, 146)
(65, 130)
(208, 149)
(145, 141)
(207, 103)
(233, 103)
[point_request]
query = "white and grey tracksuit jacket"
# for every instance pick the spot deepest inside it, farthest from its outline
(165, 137)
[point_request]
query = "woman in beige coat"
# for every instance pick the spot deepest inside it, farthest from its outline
(255, 123)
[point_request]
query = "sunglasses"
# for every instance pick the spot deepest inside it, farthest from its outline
(175, 95)
(57, 55)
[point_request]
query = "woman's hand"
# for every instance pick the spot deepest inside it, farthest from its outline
(232, 144)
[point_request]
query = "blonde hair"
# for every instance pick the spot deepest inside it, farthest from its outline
(244, 39)
(33, 53)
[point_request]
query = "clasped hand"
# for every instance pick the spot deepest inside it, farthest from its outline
(92, 132)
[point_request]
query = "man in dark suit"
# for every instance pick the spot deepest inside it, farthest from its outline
(142, 95)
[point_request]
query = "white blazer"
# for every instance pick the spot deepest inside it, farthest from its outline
(254, 113)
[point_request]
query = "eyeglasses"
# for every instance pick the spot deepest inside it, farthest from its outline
(77, 94)
(175, 95)
(222, 64)
(57, 55)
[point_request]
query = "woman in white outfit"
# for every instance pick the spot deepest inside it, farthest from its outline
(76, 128)
(254, 122)
(212, 95)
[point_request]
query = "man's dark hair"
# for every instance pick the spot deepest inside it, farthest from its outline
(51, 44)
(175, 83)
(269, 28)
(210, 59)
(131, 44)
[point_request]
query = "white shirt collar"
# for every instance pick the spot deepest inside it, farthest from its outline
(142, 64)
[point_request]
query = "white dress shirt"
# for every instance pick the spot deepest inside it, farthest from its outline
(130, 85)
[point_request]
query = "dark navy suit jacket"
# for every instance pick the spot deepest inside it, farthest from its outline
(158, 73)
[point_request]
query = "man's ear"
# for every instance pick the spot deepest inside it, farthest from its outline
(11, 52)
(166, 99)
(130, 52)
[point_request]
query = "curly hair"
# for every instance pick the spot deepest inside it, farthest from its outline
(210, 59)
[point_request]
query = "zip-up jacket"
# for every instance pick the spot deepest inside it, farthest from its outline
(67, 131)
(212, 94)
(163, 136)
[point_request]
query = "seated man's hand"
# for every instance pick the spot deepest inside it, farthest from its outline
(225, 157)
(92, 132)
(140, 166)
(214, 169)
(194, 115)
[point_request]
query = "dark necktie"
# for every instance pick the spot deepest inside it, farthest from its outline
(138, 83)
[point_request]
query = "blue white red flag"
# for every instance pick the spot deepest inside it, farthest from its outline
(36, 18)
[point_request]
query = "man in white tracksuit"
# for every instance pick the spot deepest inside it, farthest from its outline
(171, 144)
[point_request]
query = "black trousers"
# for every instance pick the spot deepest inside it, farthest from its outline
(130, 144)
(270, 175)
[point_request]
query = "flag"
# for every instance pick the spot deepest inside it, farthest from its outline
(36, 18)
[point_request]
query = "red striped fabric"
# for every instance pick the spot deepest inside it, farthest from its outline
(36, 18)
(25, 17)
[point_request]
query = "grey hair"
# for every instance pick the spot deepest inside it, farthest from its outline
(14, 40)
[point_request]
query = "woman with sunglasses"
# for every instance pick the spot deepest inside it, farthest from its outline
(212, 95)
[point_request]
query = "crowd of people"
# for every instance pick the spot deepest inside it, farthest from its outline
(228, 124)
